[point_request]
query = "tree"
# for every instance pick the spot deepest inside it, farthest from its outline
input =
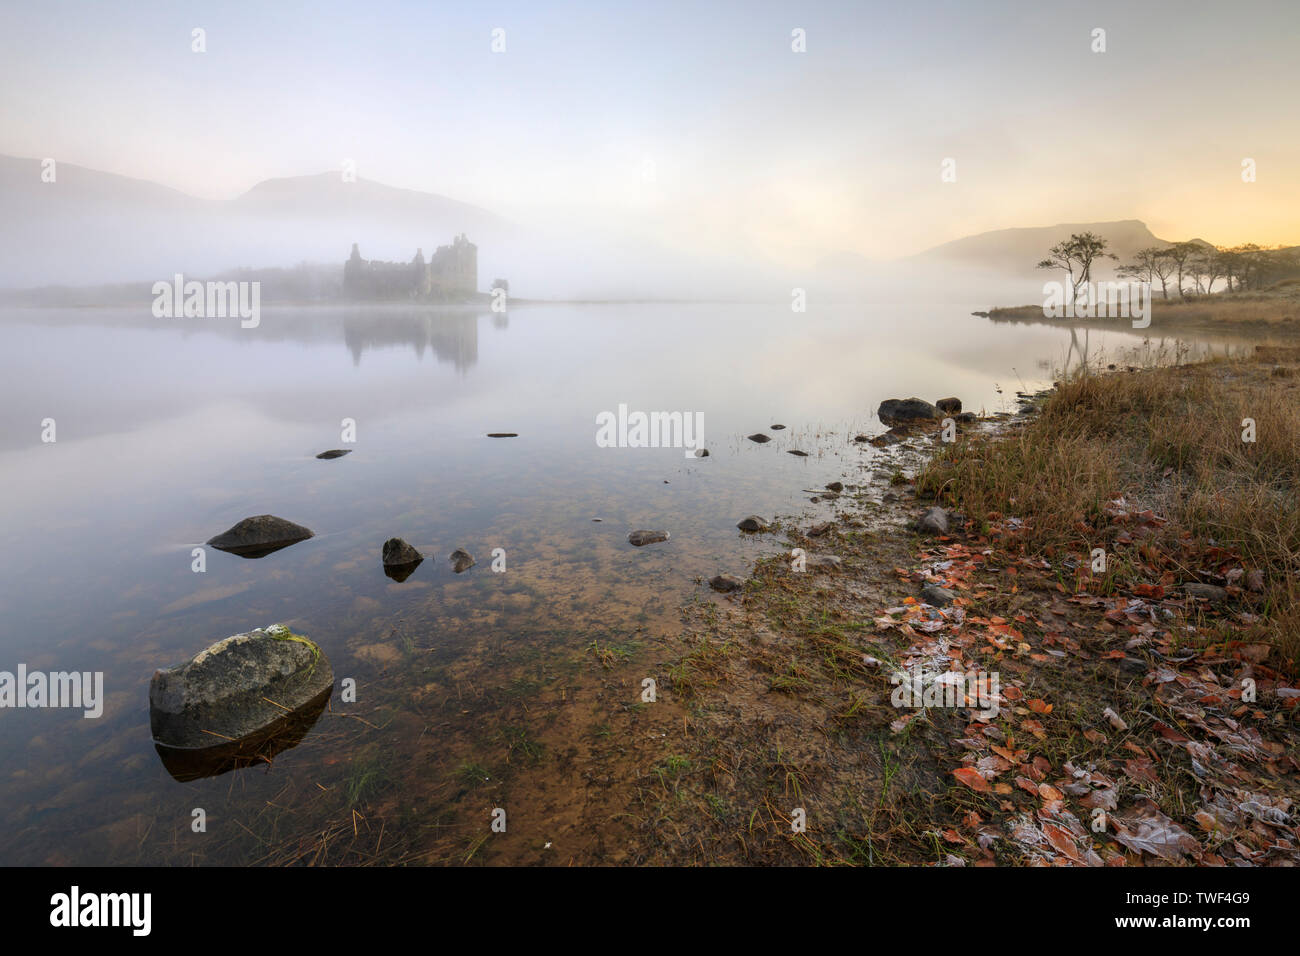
(1206, 262)
(1079, 251)
(1179, 255)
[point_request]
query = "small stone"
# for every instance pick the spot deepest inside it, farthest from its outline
(701, 453)
(1207, 592)
(937, 596)
(461, 560)
(642, 538)
(797, 453)
(397, 552)
(776, 428)
(334, 453)
(949, 405)
(726, 582)
(934, 521)
(760, 438)
(753, 523)
(826, 561)
(503, 435)
(835, 486)
(819, 529)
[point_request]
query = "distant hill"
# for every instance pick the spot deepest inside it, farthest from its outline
(1016, 252)
(92, 227)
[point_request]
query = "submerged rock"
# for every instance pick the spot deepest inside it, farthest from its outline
(760, 437)
(726, 582)
(258, 536)
(934, 521)
(906, 410)
(335, 453)
(752, 523)
(461, 560)
(237, 689)
(642, 538)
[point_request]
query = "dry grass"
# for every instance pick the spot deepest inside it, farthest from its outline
(1169, 440)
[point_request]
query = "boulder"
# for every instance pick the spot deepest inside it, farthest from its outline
(642, 538)
(906, 410)
(934, 521)
(461, 560)
(726, 582)
(258, 536)
(237, 688)
(949, 406)
(752, 523)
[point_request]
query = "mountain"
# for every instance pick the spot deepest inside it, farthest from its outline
(1016, 252)
(91, 227)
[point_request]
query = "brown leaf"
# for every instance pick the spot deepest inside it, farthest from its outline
(973, 779)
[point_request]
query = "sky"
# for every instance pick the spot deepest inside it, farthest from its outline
(694, 124)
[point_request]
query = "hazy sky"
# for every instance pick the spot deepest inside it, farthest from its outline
(694, 123)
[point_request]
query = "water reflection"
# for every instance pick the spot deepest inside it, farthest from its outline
(187, 764)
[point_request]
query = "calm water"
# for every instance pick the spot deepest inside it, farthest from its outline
(170, 431)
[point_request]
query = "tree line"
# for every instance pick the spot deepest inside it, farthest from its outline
(1192, 268)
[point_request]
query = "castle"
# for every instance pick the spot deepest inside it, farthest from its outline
(451, 273)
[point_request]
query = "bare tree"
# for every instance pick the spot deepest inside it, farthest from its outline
(1078, 252)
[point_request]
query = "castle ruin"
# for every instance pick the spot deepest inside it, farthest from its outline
(451, 273)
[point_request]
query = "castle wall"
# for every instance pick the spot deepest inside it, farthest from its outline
(451, 272)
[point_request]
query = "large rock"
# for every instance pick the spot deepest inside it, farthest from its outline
(461, 560)
(949, 406)
(906, 410)
(237, 689)
(258, 536)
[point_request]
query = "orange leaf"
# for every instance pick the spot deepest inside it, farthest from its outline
(972, 778)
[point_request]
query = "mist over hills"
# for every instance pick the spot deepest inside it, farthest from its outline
(93, 228)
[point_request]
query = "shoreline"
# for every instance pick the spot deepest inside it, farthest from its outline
(1140, 708)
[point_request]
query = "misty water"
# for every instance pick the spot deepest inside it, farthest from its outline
(170, 431)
